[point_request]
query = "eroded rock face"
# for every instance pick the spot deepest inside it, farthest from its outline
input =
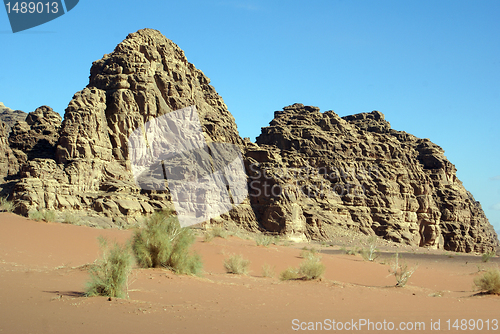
(145, 77)
(311, 171)
(37, 136)
(309, 174)
(9, 165)
(10, 116)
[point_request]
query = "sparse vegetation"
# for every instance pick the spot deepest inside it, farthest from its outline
(6, 205)
(401, 271)
(487, 256)
(308, 253)
(289, 274)
(370, 253)
(164, 243)
(109, 274)
(489, 282)
(266, 240)
(45, 215)
(69, 218)
(312, 268)
(236, 264)
(215, 232)
(350, 251)
(268, 271)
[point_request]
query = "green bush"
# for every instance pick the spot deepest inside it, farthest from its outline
(401, 271)
(289, 274)
(69, 218)
(370, 253)
(268, 271)
(164, 243)
(312, 268)
(45, 215)
(351, 251)
(487, 256)
(236, 264)
(265, 240)
(308, 253)
(489, 282)
(215, 232)
(6, 205)
(109, 275)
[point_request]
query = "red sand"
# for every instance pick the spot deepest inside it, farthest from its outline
(42, 284)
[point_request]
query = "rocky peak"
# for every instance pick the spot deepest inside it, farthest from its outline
(37, 136)
(314, 171)
(10, 116)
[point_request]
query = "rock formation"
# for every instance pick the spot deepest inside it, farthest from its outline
(10, 116)
(146, 76)
(309, 174)
(310, 171)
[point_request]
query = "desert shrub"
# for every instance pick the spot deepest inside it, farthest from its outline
(311, 268)
(308, 253)
(162, 242)
(350, 251)
(370, 253)
(45, 215)
(489, 282)
(289, 274)
(487, 256)
(109, 274)
(401, 271)
(236, 264)
(215, 232)
(69, 218)
(268, 271)
(265, 240)
(6, 205)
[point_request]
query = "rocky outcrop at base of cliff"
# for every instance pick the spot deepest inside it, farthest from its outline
(310, 171)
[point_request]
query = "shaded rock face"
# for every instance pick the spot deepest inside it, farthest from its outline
(10, 116)
(311, 171)
(36, 137)
(9, 165)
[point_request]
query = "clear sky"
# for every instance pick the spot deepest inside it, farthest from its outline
(432, 67)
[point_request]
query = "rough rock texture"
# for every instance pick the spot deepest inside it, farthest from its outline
(8, 162)
(309, 174)
(146, 76)
(37, 136)
(10, 116)
(311, 171)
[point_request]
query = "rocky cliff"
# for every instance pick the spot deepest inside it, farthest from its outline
(10, 116)
(309, 174)
(86, 168)
(311, 171)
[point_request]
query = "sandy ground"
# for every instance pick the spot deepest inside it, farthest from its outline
(42, 280)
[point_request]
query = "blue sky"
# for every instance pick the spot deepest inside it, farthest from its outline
(432, 67)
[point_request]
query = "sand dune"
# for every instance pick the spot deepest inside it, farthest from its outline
(42, 279)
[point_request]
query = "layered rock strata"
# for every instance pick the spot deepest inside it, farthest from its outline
(311, 171)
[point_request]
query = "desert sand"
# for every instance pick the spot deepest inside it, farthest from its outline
(43, 276)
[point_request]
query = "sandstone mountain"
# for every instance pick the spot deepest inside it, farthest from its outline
(321, 170)
(309, 174)
(10, 116)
